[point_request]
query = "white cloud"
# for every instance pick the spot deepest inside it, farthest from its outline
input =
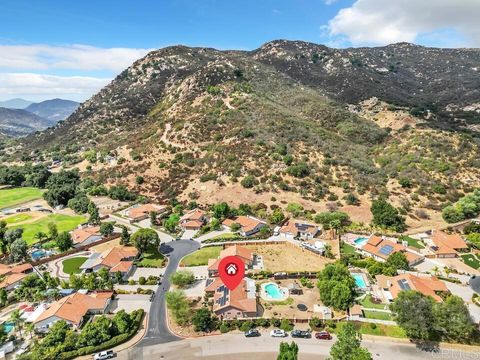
(330, 2)
(75, 57)
(383, 22)
(40, 86)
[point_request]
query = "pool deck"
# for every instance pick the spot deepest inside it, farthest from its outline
(264, 295)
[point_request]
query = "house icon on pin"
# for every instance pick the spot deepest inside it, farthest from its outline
(232, 269)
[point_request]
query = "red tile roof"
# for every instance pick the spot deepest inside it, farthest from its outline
(247, 223)
(81, 234)
(447, 244)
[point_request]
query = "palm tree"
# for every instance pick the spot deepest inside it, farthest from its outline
(448, 271)
(30, 327)
(15, 317)
(40, 236)
(436, 270)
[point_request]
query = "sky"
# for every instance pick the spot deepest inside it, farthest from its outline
(71, 49)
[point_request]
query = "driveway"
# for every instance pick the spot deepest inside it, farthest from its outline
(130, 302)
(188, 234)
(158, 331)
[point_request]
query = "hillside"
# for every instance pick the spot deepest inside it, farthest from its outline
(53, 110)
(17, 122)
(290, 121)
(16, 103)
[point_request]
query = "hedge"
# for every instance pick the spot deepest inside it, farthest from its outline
(117, 340)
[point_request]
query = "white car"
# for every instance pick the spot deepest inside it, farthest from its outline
(278, 333)
(109, 354)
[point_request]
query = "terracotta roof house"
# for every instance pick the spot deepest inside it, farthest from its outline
(117, 259)
(392, 285)
(86, 235)
(11, 276)
(447, 246)
(193, 220)
(73, 309)
(380, 249)
(355, 312)
(297, 230)
(142, 212)
(249, 225)
(247, 256)
(239, 303)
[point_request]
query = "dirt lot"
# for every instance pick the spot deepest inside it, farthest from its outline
(289, 257)
(105, 246)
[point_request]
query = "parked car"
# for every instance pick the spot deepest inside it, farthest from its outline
(323, 335)
(278, 333)
(252, 333)
(109, 354)
(301, 334)
(152, 296)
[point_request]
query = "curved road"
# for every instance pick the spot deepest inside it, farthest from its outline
(158, 331)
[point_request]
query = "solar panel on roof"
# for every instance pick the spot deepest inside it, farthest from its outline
(386, 249)
(404, 285)
(223, 299)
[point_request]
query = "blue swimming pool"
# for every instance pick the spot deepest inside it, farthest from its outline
(8, 326)
(360, 280)
(273, 291)
(38, 254)
(361, 241)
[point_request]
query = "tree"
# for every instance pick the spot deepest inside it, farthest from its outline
(337, 286)
(249, 181)
(398, 261)
(62, 187)
(40, 236)
(177, 303)
(94, 218)
(64, 241)
(387, 216)
(3, 242)
(3, 297)
(171, 223)
(79, 204)
(332, 219)
(153, 217)
(125, 238)
(221, 211)
(12, 235)
(106, 229)
(414, 313)
(295, 209)
(277, 216)
(299, 170)
(453, 319)
(347, 346)
(235, 227)
(18, 251)
(16, 318)
(288, 351)
(182, 278)
(52, 230)
(145, 238)
(203, 320)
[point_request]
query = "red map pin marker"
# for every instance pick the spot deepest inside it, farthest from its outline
(231, 270)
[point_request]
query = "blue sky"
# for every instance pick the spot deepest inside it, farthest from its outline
(71, 49)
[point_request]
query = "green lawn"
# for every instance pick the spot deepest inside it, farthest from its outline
(368, 303)
(200, 257)
(63, 222)
(377, 315)
(72, 265)
(152, 258)
(471, 260)
(11, 197)
(18, 218)
(374, 329)
(413, 242)
(226, 236)
(347, 249)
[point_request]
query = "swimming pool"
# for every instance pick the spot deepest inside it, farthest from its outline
(271, 291)
(40, 253)
(8, 326)
(361, 241)
(360, 280)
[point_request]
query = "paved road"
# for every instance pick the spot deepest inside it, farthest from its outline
(236, 346)
(158, 332)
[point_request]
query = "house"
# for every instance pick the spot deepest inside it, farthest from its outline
(249, 225)
(380, 249)
(444, 245)
(141, 212)
(246, 255)
(297, 230)
(117, 259)
(355, 313)
(193, 220)
(85, 235)
(239, 303)
(73, 309)
(12, 276)
(391, 286)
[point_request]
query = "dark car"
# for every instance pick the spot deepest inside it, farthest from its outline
(323, 335)
(301, 334)
(152, 296)
(252, 333)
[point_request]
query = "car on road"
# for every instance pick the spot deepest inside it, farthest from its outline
(301, 334)
(152, 296)
(278, 333)
(252, 333)
(109, 354)
(323, 335)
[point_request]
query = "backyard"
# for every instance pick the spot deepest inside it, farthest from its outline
(200, 257)
(12, 197)
(379, 315)
(413, 242)
(471, 260)
(151, 258)
(17, 218)
(368, 303)
(72, 265)
(347, 248)
(63, 222)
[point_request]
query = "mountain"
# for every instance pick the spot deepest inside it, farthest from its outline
(16, 103)
(54, 110)
(17, 122)
(290, 121)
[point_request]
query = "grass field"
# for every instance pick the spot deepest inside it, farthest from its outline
(375, 329)
(413, 242)
(368, 303)
(18, 218)
(63, 222)
(72, 265)
(12, 197)
(347, 249)
(152, 258)
(200, 257)
(377, 315)
(471, 260)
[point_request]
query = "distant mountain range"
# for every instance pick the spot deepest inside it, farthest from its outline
(19, 117)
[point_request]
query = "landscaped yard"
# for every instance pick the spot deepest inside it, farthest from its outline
(413, 242)
(368, 303)
(347, 249)
(151, 258)
(200, 257)
(72, 265)
(377, 315)
(471, 260)
(375, 329)
(18, 218)
(63, 222)
(12, 197)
